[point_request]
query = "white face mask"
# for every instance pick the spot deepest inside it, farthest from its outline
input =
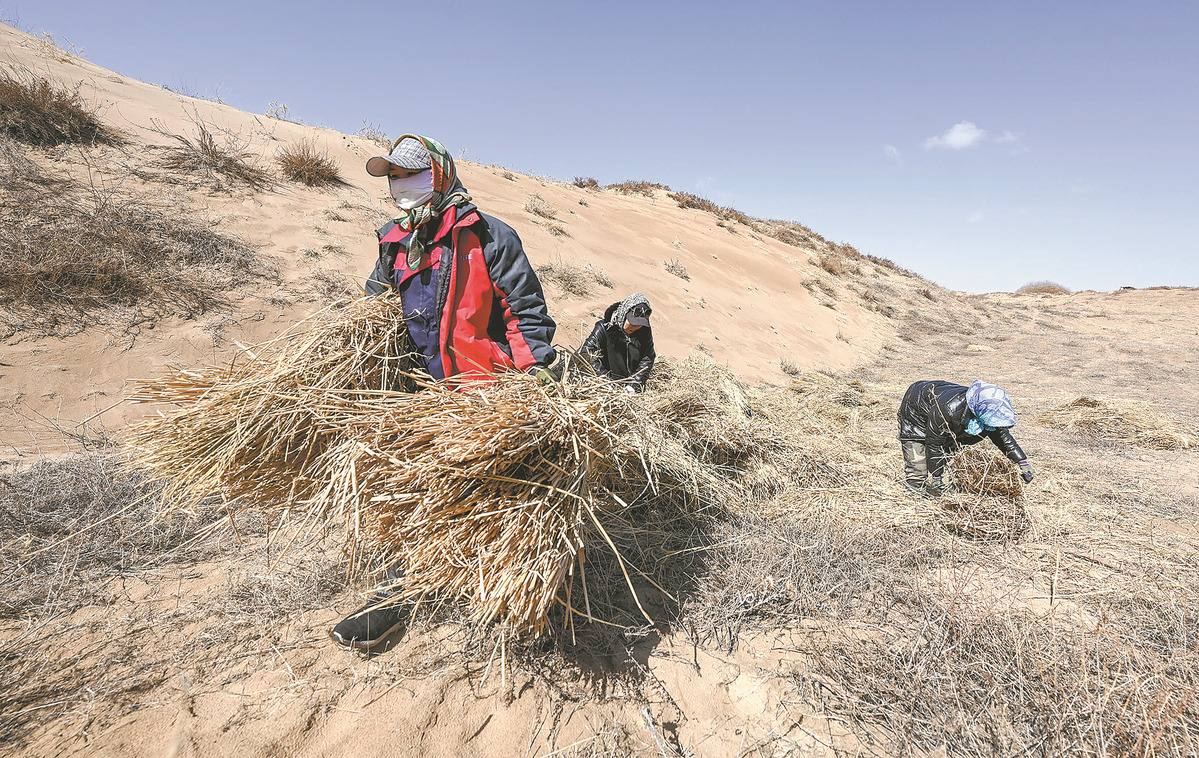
(412, 191)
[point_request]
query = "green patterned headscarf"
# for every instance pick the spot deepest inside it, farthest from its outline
(447, 191)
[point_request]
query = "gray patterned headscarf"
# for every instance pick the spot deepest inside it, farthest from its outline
(626, 305)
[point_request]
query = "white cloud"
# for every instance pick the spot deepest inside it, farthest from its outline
(1007, 137)
(892, 153)
(958, 137)
(975, 217)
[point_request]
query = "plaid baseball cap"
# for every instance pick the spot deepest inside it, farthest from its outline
(408, 152)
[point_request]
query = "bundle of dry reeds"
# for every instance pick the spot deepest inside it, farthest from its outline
(990, 496)
(259, 428)
(488, 493)
(1119, 421)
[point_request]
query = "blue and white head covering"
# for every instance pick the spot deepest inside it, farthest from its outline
(991, 406)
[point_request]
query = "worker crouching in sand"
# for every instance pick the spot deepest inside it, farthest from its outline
(471, 301)
(937, 418)
(621, 346)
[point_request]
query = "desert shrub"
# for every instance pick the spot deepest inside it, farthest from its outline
(39, 112)
(303, 162)
(677, 269)
(834, 264)
(77, 248)
(637, 188)
(536, 205)
(218, 162)
(688, 200)
(1042, 288)
(572, 278)
(374, 133)
(788, 368)
(586, 182)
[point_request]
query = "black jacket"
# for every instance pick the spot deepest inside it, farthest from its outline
(935, 414)
(612, 352)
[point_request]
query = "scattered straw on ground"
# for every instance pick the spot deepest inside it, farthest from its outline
(1119, 421)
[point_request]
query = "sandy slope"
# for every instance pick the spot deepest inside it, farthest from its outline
(745, 302)
(210, 680)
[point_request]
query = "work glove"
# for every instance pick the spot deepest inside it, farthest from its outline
(546, 377)
(935, 487)
(630, 389)
(1025, 471)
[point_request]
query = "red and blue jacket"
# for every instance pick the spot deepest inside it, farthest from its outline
(474, 306)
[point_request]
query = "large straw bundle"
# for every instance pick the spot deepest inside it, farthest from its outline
(259, 428)
(487, 492)
(1119, 421)
(989, 503)
(978, 471)
(484, 494)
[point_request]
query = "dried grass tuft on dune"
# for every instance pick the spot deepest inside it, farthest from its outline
(1119, 421)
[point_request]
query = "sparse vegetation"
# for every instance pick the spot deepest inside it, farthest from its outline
(832, 263)
(375, 134)
(1042, 288)
(303, 162)
(572, 278)
(219, 163)
(39, 112)
(675, 268)
(123, 250)
(788, 368)
(637, 188)
(586, 182)
(539, 207)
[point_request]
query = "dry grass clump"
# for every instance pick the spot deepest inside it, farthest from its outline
(637, 188)
(572, 278)
(304, 163)
(72, 249)
(586, 182)
(726, 214)
(39, 112)
(1042, 288)
(536, 205)
(675, 268)
(1118, 421)
(79, 510)
(204, 158)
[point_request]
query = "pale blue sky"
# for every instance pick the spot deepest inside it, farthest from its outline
(982, 146)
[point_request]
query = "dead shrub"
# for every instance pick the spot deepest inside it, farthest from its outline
(572, 278)
(536, 205)
(586, 182)
(1042, 288)
(39, 112)
(834, 264)
(217, 162)
(303, 162)
(677, 269)
(72, 249)
(788, 368)
(375, 134)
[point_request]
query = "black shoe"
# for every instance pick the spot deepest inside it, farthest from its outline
(915, 489)
(369, 625)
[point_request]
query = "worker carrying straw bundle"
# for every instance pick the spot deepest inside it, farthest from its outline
(471, 301)
(937, 418)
